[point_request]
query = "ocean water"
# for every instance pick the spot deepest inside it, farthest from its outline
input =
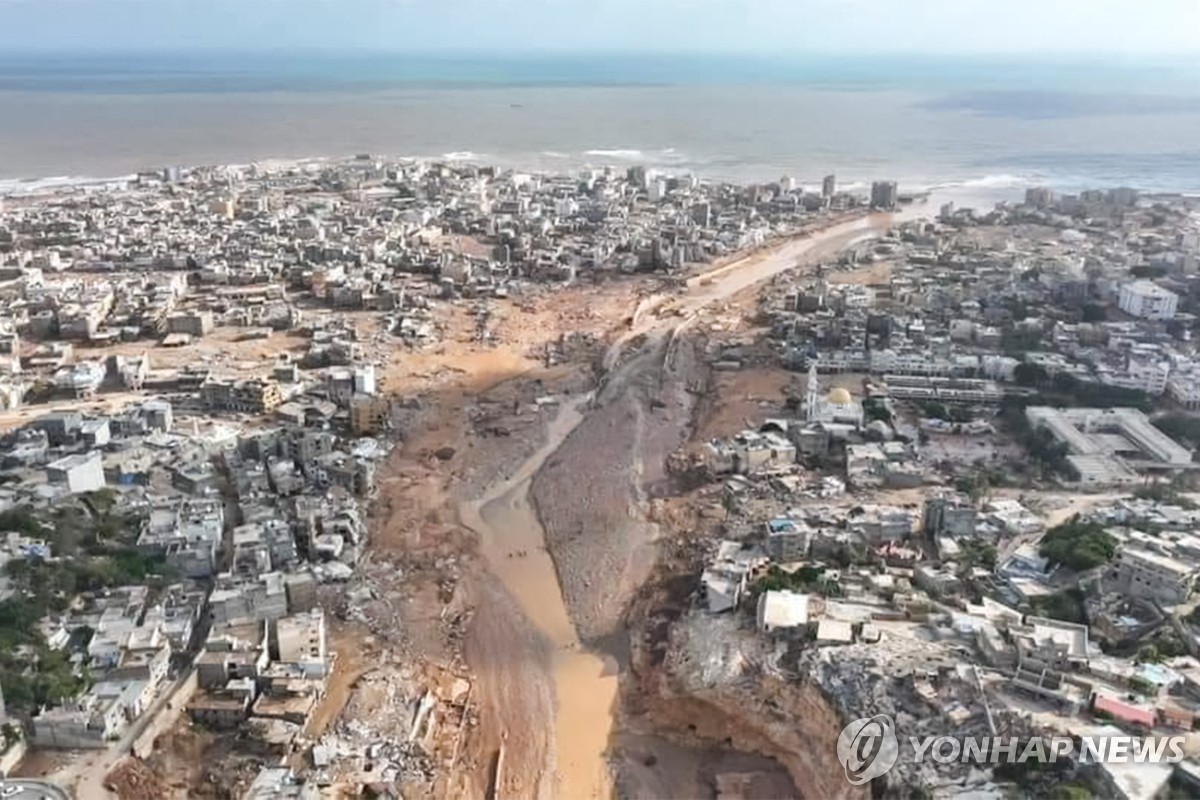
(987, 126)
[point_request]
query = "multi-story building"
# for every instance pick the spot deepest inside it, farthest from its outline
(953, 516)
(83, 379)
(234, 602)
(158, 415)
(368, 414)
(188, 534)
(300, 640)
(1103, 458)
(247, 397)
(1185, 390)
(1148, 301)
(1123, 196)
(1039, 197)
(878, 524)
(787, 539)
(1147, 376)
(884, 194)
(829, 186)
(90, 721)
(1142, 573)
(193, 323)
(234, 653)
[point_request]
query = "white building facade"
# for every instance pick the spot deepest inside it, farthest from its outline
(1148, 301)
(78, 473)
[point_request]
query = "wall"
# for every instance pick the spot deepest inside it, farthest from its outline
(168, 714)
(67, 738)
(12, 757)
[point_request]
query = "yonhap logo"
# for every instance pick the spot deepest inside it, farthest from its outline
(868, 748)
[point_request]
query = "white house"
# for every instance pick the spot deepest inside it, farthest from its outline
(82, 472)
(781, 609)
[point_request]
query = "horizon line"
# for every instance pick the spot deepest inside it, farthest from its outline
(866, 55)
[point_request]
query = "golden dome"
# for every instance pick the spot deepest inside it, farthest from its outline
(840, 397)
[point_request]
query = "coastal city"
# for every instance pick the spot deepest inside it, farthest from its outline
(393, 478)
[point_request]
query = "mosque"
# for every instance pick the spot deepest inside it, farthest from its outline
(837, 408)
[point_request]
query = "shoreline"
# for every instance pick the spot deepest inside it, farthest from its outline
(988, 188)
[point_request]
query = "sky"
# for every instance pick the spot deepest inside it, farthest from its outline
(789, 27)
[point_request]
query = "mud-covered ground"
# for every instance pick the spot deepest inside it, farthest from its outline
(592, 494)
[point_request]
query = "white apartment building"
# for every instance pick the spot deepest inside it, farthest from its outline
(1146, 574)
(843, 361)
(1148, 301)
(1185, 390)
(1148, 376)
(858, 297)
(913, 362)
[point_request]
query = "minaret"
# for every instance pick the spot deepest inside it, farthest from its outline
(814, 389)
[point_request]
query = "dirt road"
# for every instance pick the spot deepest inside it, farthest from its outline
(732, 278)
(723, 282)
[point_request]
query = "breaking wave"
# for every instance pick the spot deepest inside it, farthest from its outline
(666, 157)
(998, 182)
(19, 186)
(624, 155)
(1002, 181)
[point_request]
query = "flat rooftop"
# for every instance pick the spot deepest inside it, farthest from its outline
(73, 461)
(1165, 563)
(1108, 445)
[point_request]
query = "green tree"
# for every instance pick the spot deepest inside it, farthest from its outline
(1026, 374)
(1148, 654)
(1070, 791)
(1078, 545)
(935, 410)
(960, 414)
(1066, 605)
(22, 520)
(1180, 427)
(1021, 340)
(1064, 382)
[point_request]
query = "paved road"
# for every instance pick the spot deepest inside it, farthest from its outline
(21, 789)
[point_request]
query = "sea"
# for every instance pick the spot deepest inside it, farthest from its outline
(980, 126)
